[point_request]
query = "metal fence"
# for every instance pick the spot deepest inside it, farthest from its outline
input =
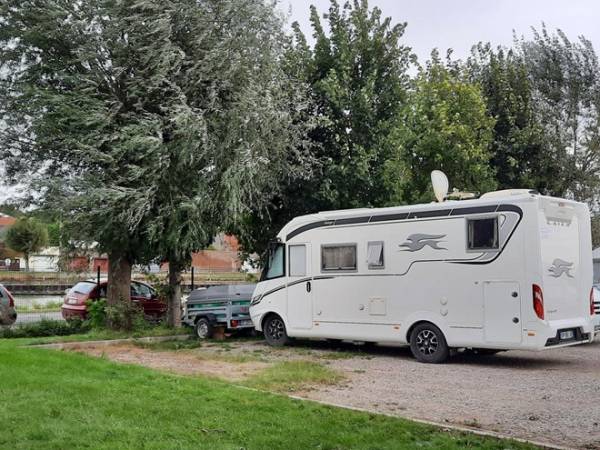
(39, 295)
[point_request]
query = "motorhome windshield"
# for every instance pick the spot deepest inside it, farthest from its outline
(275, 267)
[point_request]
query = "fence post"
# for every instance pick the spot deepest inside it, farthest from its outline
(192, 278)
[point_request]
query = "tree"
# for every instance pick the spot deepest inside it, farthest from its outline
(357, 75)
(148, 124)
(565, 77)
(27, 236)
(225, 149)
(519, 155)
(444, 126)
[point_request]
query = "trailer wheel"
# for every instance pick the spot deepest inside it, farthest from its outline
(275, 332)
(428, 344)
(204, 329)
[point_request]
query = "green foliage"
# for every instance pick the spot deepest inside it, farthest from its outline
(125, 316)
(444, 126)
(45, 328)
(358, 81)
(519, 156)
(96, 313)
(54, 234)
(565, 77)
(27, 236)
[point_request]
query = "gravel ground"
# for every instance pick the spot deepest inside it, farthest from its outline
(551, 396)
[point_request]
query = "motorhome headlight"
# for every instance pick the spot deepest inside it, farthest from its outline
(256, 300)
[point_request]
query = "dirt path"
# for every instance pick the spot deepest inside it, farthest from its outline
(184, 363)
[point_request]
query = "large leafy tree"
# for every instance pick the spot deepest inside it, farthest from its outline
(565, 77)
(357, 74)
(27, 236)
(444, 126)
(518, 153)
(148, 124)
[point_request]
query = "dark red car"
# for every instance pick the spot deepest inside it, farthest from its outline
(8, 314)
(142, 294)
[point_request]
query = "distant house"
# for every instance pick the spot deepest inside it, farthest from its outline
(46, 260)
(222, 256)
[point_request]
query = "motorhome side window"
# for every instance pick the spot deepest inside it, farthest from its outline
(297, 260)
(336, 257)
(375, 255)
(482, 234)
(275, 267)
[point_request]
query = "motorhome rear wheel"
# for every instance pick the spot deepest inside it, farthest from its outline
(428, 344)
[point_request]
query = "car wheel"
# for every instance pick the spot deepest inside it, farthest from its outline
(204, 330)
(428, 344)
(275, 332)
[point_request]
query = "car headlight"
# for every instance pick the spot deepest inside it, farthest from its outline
(256, 300)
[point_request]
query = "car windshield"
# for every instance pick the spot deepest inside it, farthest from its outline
(83, 287)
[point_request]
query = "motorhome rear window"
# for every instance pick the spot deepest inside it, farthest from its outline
(336, 257)
(482, 234)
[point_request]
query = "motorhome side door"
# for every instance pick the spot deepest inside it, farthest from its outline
(299, 287)
(502, 312)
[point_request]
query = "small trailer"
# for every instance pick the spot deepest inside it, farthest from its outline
(510, 270)
(224, 306)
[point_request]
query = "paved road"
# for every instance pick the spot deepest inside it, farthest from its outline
(36, 317)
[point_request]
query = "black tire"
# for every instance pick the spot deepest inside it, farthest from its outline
(274, 331)
(203, 328)
(428, 344)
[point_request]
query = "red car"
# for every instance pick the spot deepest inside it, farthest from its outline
(142, 294)
(8, 314)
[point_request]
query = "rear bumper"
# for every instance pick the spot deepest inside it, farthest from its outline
(74, 312)
(582, 331)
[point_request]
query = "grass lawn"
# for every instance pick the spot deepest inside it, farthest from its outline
(58, 400)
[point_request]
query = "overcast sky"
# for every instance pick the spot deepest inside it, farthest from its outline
(458, 24)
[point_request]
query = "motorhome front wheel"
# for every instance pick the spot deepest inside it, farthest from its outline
(275, 332)
(428, 344)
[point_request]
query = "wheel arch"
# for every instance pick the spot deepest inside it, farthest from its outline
(425, 319)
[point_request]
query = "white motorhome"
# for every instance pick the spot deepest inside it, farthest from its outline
(510, 270)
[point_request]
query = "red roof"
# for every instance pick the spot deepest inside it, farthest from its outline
(6, 221)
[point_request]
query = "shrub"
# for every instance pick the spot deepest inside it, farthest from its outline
(44, 328)
(96, 309)
(125, 316)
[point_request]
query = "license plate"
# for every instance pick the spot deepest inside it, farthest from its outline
(566, 335)
(245, 323)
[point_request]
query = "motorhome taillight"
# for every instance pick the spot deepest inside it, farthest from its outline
(592, 312)
(538, 301)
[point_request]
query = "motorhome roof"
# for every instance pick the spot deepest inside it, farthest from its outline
(496, 197)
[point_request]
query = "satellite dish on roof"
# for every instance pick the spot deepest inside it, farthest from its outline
(440, 184)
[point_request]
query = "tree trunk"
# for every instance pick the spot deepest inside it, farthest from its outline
(26, 262)
(119, 280)
(174, 300)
